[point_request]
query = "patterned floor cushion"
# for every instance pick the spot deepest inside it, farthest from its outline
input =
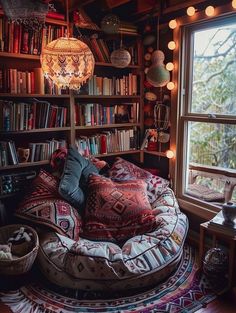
(100, 265)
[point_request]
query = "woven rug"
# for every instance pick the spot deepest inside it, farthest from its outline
(184, 291)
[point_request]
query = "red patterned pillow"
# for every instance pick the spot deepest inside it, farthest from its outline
(125, 170)
(44, 206)
(116, 211)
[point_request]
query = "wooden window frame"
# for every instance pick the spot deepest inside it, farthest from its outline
(180, 115)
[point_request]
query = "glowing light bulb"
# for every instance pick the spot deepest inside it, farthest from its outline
(234, 4)
(191, 11)
(169, 66)
(171, 45)
(210, 10)
(170, 154)
(170, 86)
(173, 24)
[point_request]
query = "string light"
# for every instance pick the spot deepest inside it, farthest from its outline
(191, 11)
(170, 86)
(173, 24)
(169, 66)
(170, 154)
(234, 4)
(210, 10)
(171, 45)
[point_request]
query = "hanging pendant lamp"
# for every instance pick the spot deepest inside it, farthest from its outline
(67, 61)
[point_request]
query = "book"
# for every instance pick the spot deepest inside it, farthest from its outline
(218, 223)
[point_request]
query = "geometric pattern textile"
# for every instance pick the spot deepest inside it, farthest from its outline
(185, 291)
(44, 206)
(117, 211)
(104, 265)
(125, 170)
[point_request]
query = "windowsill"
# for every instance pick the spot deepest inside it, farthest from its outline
(199, 208)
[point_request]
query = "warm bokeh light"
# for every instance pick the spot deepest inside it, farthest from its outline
(170, 154)
(234, 4)
(191, 11)
(170, 86)
(173, 24)
(171, 45)
(210, 10)
(169, 66)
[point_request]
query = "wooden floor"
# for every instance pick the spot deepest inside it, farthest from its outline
(223, 304)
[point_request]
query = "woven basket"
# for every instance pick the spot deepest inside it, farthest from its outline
(23, 264)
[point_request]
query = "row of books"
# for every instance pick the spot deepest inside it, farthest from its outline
(52, 32)
(102, 49)
(108, 142)
(38, 151)
(17, 38)
(124, 86)
(28, 82)
(93, 114)
(21, 82)
(32, 115)
(15, 182)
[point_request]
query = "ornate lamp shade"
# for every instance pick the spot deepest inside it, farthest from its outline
(68, 62)
(157, 74)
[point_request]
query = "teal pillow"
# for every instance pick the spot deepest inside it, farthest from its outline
(76, 172)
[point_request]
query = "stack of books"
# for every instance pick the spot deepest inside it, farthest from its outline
(218, 224)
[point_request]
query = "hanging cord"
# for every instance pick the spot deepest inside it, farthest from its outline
(67, 19)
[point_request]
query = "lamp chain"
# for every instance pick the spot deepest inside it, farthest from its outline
(67, 19)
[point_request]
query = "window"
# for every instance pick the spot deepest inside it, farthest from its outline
(207, 131)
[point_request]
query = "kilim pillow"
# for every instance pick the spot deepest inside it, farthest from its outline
(125, 170)
(117, 211)
(44, 206)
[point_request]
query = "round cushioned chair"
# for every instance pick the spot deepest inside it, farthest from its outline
(133, 230)
(99, 265)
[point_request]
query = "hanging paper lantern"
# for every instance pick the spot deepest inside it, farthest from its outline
(157, 74)
(110, 24)
(120, 58)
(68, 62)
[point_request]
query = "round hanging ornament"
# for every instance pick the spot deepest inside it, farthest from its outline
(120, 58)
(110, 24)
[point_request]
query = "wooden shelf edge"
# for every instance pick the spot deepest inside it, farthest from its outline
(33, 95)
(23, 165)
(111, 65)
(116, 153)
(126, 125)
(157, 153)
(20, 56)
(38, 130)
(106, 97)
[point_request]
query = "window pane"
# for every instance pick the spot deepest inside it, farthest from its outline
(212, 144)
(214, 70)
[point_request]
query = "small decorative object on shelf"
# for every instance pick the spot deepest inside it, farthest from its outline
(120, 58)
(229, 213)
(215, 263)
(110, 24)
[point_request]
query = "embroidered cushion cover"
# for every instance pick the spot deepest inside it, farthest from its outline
(99, 265)
(116, 211)
(124, 170)
(44, 206)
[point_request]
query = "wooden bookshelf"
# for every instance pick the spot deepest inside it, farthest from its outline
(106, 126)
(25, 165)
(19, 56)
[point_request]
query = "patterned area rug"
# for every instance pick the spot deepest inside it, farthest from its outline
(185, 291)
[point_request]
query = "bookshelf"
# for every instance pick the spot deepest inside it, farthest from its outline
(21, 134)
